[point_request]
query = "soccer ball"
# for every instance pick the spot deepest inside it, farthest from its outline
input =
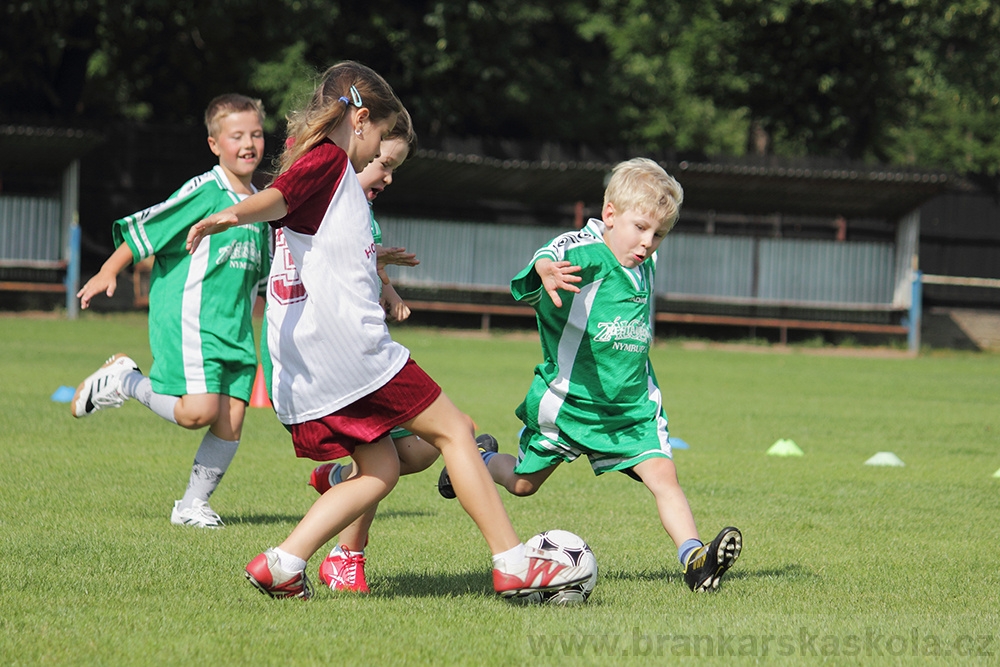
(570, 549)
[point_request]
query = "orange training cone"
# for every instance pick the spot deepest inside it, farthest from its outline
(258, 397)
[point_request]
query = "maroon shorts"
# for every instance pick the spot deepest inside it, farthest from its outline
(368, 419)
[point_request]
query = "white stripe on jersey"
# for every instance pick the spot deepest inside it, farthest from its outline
(194, 361)
(552, 401)
(139, 238)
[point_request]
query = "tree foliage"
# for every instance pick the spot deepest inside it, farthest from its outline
(906, 81)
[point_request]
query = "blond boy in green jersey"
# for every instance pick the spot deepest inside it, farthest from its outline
(595, 393)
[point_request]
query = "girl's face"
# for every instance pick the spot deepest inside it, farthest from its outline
(377, 176)
(632, 236)
(366, 139)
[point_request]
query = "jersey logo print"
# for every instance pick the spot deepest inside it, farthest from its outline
(285, 285)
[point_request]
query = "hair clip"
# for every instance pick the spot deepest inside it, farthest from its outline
(355, 98)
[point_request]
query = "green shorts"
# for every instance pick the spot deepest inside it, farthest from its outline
(234, 378)
(538, 452)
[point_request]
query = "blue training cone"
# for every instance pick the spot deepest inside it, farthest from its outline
(677, 443)
(63, 394)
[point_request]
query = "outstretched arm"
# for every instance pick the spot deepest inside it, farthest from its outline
(264, 206)
(106, 279)
(556, 276)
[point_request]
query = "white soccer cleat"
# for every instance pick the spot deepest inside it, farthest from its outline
(537, 572)
(103, 388)
(199, 515)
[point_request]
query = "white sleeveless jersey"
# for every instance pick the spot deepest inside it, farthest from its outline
(326, 332)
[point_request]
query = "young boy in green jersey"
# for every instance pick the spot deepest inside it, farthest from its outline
(595, 392)
(200, 334)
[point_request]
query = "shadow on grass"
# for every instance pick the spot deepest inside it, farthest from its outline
(403, 514)
(790, 571)
(271, 519)
(261, 519)
(434, 585)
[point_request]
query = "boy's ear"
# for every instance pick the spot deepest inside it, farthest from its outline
(608, 215)
(214, 146)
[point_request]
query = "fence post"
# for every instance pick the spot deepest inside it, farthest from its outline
(73, 273)
(916, 314)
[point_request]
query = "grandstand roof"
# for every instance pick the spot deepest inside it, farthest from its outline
(445, 179)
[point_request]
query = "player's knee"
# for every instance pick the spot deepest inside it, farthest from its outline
(522, 487)
(195, 418)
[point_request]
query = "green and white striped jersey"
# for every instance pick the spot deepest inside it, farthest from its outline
(200, 305)
(595, 390)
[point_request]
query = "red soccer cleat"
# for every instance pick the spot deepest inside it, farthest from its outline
(266, 574)
(344, 570)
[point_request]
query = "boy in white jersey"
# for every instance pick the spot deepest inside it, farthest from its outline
(595, 393)
(200, 307)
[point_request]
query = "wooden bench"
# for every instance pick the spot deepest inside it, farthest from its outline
(781, 324)
(485, 311)
(31, 285)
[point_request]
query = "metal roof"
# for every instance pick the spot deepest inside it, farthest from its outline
(440, 180)
(29, 147)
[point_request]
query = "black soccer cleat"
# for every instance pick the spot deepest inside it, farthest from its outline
(486, 443)
(706, 564)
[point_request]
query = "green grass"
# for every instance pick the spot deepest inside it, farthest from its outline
(842, 561)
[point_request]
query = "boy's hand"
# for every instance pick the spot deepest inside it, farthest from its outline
(213, 224)
(398, 256)
(395, 309)
(105, 281)
(556, 276)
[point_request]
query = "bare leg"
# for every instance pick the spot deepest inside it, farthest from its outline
(660, 477)
(378, 472)
(452, 432)
(223, 413)
(501, 467)
(415, 455)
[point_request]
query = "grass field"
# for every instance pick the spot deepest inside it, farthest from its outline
(842, 561)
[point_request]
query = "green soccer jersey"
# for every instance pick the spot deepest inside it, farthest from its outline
(200, 305)
(595, 392)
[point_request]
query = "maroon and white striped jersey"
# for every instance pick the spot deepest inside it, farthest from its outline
(326, 332)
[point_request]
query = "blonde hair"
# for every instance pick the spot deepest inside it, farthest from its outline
(227, 104)
(342, 86)
(404, 130)
(640, 184)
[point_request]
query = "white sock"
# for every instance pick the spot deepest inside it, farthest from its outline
(139, 387)
(288, 562)
(210, 463)
(511, 556)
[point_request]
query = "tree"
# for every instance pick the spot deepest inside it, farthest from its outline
(907, 81)
(891, 80)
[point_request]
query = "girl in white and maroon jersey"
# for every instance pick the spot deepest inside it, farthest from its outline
(339, 381)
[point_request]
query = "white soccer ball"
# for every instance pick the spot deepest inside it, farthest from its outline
(569, 549)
